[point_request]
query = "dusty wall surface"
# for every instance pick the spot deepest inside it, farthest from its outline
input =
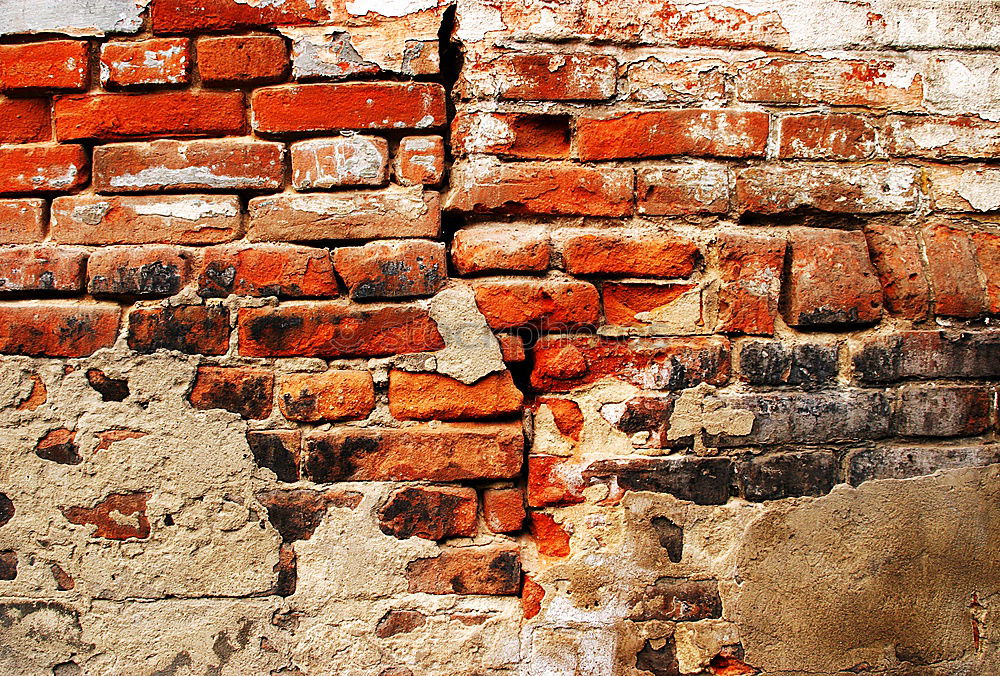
(552, 337)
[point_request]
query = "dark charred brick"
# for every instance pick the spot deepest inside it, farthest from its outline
(942, 411)
(64, 581)
(59, 446)
(278, 451)
(246, 391)
(678, 601)
(287, 570)
(648, 414)
(772, 363)
(813, 365)
(493, 571)
(399, 622)
(192, 329)
(109, 527)
(880, 360)
(905, 462)
(433, 513)
(396, 269)
(110, 389)
(929, 354)
(295, 514)
(6, 509)
(660, 661)
(670, 537)
(8, 565)
(787, 475)
(704, 481)
(136, 272)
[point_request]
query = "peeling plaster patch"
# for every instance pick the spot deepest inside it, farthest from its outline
(72, 17)
(697, 411)
(390, 7)
(92, 214)
(471, 350)
(154, 176)
(188, 210)
(981, 191)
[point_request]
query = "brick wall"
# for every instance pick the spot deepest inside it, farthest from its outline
(552, 337)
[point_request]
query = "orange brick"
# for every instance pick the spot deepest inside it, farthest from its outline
(138, 272)
(521, 135)
(503, 509)
(489, 571)
(54, 64)
(342, 160)
(630, 253)
(246, 391)
(419, 160)
(497, 247)
(147, 62)
(266, 270)
(24, 120)
(394, 269)
(240, 59)
(326, 397)
(622, 302)
(951, 267)
(183, 16)
(22, 221)
(820, 137)
(895, 252)
(430, 512)
(42, 168)
(57, 329)
(701, 188)
(550, 304)
(44, 268)
(431, 396)
(988, 250)
(750, 268)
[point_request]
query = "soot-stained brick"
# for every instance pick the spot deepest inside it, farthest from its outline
(677, 600)
(704, 481)
(110, 389)
(295, 514)
(785, 475)
(6, 509)
(433, 513)
(59, 446)
(670, 537)
(278, 451)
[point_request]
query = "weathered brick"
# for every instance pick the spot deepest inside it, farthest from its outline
(942, 411)
(964, 188)
(181, 16)
(750, 268)
(335, 330)
(895, 252)
(563, 363)
(905, 462)
(429, 512)
(284, 270)
(550, 538)
(661, 80)
(528, 136)
(630, 253)
(928, 354)
(278, 451)
(246, 391)
(938, 138)
(988, 252)
(59, 446)
(438, 452)
(830, 280)
(431, 396)
(53, 64)
(660, 133)
(646, 419)
(115, 116)
(419, 160)
(951, 268)
(787, 475)
(192, 329)
(566, 414)
(155, 219)
(552, 77)
(24, 120)
(42, 168)
(772, 363)
(850, 189)
(703, 481)
(239, 59)
(677, 600)
(503, 509)
(873, 84)
(8, 565)
(394, 269)
(225, 164)
(826, 137)
(396, 622)
(45, 268)
(485, 185)
(553, 481)
(634, 304)
(327, 396)
(296, 513)
(683, 189)
(492, 571)
(349, 105)
(500, 248)
(158, 61)
(140, 272)
(22, 221)
(57, 329)
(391, 212)
(550, 304)
(107, 526)
(807, 417)
(7, 510)
(340, 161)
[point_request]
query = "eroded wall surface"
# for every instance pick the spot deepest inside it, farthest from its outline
(404, 337)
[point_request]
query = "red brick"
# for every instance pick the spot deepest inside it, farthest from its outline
(549, 304)
(831, 81)
(659, 133)
(935, 138)
(850, 189)
(566, 415)
(429, 512)
(24, 120)
(396, 622)
(540, 188)
(683, 189)
(491, 571)
(988, 250)
(526, 136)
(183, 16)
(497, 248)
(622, 302)
(554, 77)
(42, 168)
(46, 268)
(225, 164)
(283, 270)
(750, 271)
(145, 62)
(952, 270)
(53, 64)
(564, 363)
(532, 594)
(431, 396)
(107, 526)
(348, 105)
(512, 348)
(338, 161)
(633, 254)
(57, 329)
(895, 252)
(831, 280)
(826, 137)
(192, 329)
(551, 539)
(22, 221)
(419, 160)
(553, 481)
(8, 565)
(140, 272)
(115, 116)
(964, 188)
(434, 452)
(372, 214)
(503, 509)
(246, 391)
(327, 396)
(335, 330)
(153, 219)
(242, 59)
(395, 269)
